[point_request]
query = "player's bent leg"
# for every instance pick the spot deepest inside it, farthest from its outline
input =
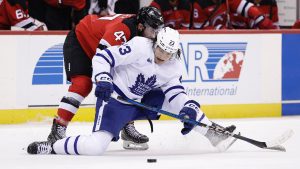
(78, 90)
(94, 144)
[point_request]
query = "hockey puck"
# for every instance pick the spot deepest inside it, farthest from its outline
(151, 160)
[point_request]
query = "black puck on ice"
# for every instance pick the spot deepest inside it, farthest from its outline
(151, 160)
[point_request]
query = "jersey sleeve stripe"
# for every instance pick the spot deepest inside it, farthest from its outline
(173, 97)
(119, 91)
(100, 55)
(172, 88)
(27, 24)
(243, 8)
(111, 57)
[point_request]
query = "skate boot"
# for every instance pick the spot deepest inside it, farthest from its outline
(44, 147)
(132, 139)
(219, 140)
(57, 132)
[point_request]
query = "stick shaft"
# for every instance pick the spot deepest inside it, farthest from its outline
(251, 141)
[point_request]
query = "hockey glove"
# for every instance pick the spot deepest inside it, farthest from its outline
(189, 111)
(104, 86)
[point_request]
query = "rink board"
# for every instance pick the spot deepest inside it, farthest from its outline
(87, 114)
(232, 74)
(291, 75)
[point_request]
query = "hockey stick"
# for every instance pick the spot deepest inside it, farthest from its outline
(272, 145)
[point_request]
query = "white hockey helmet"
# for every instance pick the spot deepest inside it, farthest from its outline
(168, 40)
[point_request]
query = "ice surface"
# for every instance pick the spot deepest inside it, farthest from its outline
(167, 145)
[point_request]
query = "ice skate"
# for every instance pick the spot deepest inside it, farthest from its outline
(219, 140)
(57, 132)
(132, 139)
(44, 147)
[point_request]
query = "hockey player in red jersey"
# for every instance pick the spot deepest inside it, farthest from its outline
(267, 7)
(14, 13)
(80, 47)
(176, 13)
(215, 14)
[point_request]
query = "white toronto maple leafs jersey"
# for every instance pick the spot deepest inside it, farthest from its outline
(135, 72)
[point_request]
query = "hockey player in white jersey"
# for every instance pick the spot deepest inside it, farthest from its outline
(131, 70)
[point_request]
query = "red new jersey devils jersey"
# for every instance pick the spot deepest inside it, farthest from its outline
(267, 7)
(208, 14)
(178, 16)
(93, 31)
(269, 10)
(13, 14)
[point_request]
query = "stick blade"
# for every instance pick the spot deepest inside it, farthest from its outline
(281, 139)
(276, 143)
(278, 148)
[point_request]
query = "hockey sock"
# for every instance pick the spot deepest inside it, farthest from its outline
(79, 89)
(68, 107)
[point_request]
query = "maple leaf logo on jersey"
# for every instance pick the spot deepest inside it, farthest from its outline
(141, 86)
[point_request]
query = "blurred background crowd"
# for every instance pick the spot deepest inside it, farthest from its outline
(178, 14)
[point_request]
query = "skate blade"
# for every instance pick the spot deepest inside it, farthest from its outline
(129, 145)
